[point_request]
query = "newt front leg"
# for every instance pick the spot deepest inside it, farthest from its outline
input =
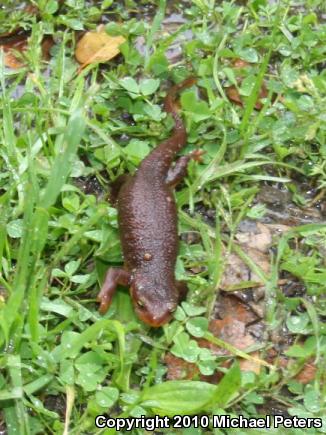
(114, 276)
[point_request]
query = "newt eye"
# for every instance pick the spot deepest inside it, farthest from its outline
(172, 308)
(140, 303)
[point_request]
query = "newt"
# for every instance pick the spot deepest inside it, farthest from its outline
(147, 220)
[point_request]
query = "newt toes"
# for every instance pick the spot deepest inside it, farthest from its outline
(147, 218)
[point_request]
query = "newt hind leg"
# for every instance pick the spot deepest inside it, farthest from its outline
(179, 170)
(114, 276)
(182, 290)
(115, 187)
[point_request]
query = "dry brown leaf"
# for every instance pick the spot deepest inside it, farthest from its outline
(259, 238)
(278, 229)
(233, 95)
(307, 374)
(239, 63)
(247, 365)
(9, 48)
(19, 43)
(177, 368)
(47, 44)
(260, 259)
(95, 47)
(237, 272)
(11, 61)
(230, 329)
(233, 331)
(229, 305)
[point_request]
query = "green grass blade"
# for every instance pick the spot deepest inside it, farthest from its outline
(245, 129)
(17, 417)
(64, 160)
(38, 384)
(156, 24)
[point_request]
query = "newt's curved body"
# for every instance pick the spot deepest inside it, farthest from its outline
(147, 217)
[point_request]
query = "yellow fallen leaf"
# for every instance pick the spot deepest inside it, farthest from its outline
(95, 47)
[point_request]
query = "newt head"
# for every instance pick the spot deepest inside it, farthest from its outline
(154, 303)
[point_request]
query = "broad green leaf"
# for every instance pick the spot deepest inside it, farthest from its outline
(312, 399)
(80, 279)
(71, 267)
(89, 380)
(192, 310)
(158, 63)
(137, 150)
(15, 228)
(302, 351)
(247, 85)
(185, 348)
(72, 347)
(107, 396)
(89, 358)
(198, 109)
(197, 326)
(249, 54)
(298, 324)
(227, 388)
(67, 372)
(178, 397)
(130, 85)
(149, 86)
(57, 306)
(51, 7)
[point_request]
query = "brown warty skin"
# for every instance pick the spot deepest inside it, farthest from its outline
(147, 217)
